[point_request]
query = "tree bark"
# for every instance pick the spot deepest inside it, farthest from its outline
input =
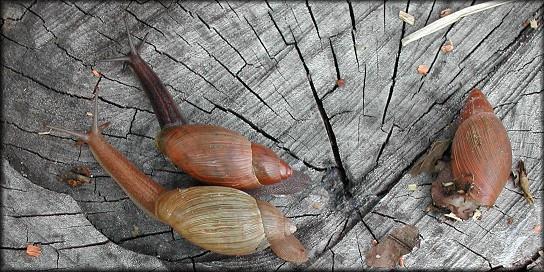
(268, 70)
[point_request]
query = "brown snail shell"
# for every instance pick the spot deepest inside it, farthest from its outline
(481, 158)
(219, 156)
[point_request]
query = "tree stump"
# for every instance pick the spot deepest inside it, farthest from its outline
(326, 85)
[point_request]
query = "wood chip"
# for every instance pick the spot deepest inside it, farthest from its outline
(447, 47)
(445, 12)
(406, 17)
(533, 23)
(33, 250)
(412, 187)
(423, 69)
(453, 216)
(449, 19)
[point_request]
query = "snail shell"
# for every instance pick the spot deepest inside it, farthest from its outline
(220, 156)
(481, 151)
(229, 221)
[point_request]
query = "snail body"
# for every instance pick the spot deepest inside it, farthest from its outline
(211, 154)
(220, 219)
(480, 162)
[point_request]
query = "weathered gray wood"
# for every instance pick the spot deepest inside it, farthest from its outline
(244, 66)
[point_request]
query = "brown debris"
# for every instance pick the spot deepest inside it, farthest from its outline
(509, 220)
(96, 73)
(340, 83)
(429, 162)
(524, 183)
(399, 242)
(447, 47)
(33, 250)
(77, 176)
(537, 229)
(423, 69)
(445, 12)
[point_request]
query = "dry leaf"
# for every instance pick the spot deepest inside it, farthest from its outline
(412, 187)
(33, 250)
(428, 162)
(408, 18)
(533, 23)
(537, 229)
(447, 47)
(524, 183)
(340, 83)
(423, 69)
(445, 12)
(389, 251)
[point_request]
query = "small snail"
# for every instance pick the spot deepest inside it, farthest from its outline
(211, 154)
(220, 219)
(481, 160)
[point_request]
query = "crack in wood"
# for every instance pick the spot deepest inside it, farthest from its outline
(236, 76)
(395, 67)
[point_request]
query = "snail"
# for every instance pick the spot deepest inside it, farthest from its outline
(209, 153)
(220, 219)
(481, 160)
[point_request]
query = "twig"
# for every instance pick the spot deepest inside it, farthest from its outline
(450, 19)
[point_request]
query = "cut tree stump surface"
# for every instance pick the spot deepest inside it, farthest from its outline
(269, 71)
